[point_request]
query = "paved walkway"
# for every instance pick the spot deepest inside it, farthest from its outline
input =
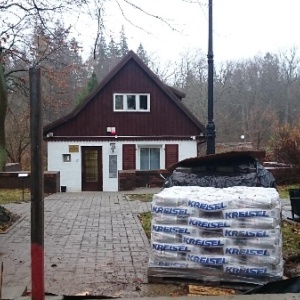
(94, 242)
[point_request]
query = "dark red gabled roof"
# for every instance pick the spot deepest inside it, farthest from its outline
(172, 93)
(180, 95)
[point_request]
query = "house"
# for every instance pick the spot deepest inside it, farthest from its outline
(131, 121)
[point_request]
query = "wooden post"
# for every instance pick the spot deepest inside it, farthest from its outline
(37, 187)
(1, 279)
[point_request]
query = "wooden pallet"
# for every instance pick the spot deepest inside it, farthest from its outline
(193, 277)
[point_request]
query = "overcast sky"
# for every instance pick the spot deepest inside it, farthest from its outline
(241, 28)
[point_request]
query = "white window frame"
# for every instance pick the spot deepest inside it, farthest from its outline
(159, 147)
(137, 99)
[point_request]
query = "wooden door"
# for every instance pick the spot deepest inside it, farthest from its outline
(92, 177)
(171, 155)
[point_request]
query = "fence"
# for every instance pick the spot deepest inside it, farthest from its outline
(20, 180)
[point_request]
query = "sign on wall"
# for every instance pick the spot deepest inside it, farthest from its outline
(113, 166)
(73, 148)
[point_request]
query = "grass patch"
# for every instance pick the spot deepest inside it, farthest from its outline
(14, 196)
(140, 197)
(290, 239)
(283, 190)
(145, 219)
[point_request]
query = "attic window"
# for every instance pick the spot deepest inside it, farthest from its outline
(132, 102)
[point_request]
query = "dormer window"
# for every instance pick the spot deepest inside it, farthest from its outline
(132, 102)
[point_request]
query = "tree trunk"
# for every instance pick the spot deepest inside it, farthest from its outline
(3, 108)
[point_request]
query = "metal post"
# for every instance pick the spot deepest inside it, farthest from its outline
(1, 279)
(37, 187)
(210, 127)
(23, 192)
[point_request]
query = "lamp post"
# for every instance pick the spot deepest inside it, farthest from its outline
(210, 127)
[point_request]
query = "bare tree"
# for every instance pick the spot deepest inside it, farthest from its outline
(17, 21)
(289, 69)
(250, 97)
(3, 107)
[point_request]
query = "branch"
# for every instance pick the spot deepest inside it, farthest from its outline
(14, 71)
(129, 21)
(100, 24)
(148, 14)
(11, 156)
(5, 7)
(35, 7)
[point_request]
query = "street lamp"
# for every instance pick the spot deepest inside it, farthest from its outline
(243, 141)
(210, 127)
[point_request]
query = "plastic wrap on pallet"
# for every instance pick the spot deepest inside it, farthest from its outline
(254, 270)
(222, 255)
(216, 224)
(234, 273)
(249, 233)
(170, 228)
(230, 234)
(212, 199)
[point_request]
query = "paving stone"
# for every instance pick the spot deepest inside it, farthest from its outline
(90, 242)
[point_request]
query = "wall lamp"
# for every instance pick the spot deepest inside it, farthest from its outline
(112, 147)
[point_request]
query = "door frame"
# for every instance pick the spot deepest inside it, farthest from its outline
(92, 186)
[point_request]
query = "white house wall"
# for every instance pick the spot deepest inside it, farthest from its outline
(70, 171)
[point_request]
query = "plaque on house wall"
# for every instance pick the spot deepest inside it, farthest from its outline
(73, 148)
(113, 167)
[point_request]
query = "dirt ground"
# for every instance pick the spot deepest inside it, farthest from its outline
(142, 290)
(6, 219)
(292, 266)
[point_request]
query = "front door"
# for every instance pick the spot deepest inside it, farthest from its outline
(92, 169)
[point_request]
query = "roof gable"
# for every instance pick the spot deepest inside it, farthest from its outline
(171, 93)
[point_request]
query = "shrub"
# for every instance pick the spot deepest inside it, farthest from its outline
(286, 144)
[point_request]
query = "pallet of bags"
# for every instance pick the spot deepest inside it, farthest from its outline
(204, 233)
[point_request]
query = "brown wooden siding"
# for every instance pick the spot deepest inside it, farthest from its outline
(129, 157)
(171, 155)
(165, 117)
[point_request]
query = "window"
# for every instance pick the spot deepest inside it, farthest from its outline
(132, 102)
(113, 166)
(149, 158)
(91, 165)
(66, 157)
(118, 102)
(143, 102)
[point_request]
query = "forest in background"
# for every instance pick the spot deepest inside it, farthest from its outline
(255, 97)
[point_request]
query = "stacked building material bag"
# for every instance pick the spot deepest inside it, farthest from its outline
(230, 234)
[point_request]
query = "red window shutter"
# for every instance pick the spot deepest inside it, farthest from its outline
(171, 152)
(129, 157)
